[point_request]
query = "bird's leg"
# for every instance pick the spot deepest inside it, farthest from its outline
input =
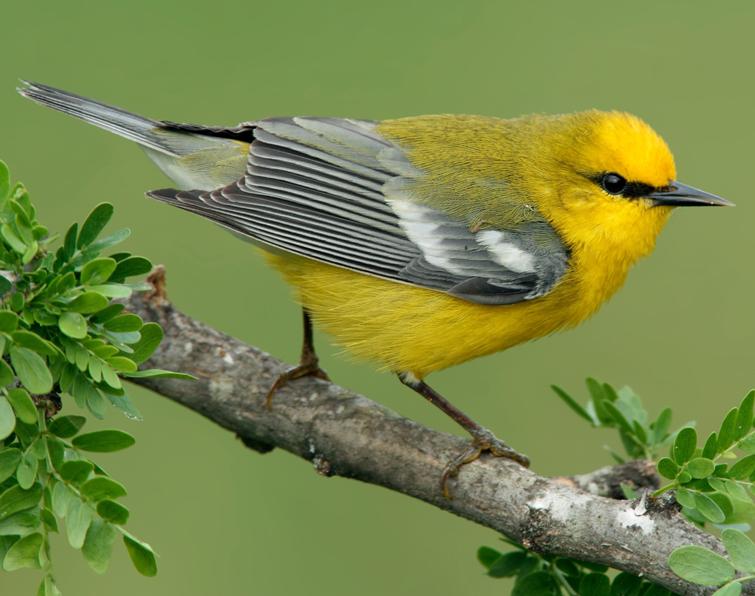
(483, 441)
(308, 363)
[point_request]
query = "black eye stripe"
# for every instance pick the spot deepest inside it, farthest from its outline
(631, 190)
(635, 190)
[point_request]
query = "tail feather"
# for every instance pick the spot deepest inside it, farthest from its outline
(192, 156)
(136, 128)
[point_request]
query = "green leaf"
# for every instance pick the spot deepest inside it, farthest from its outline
(5, 285)
(19, 524)
(13, 240)
(98, 545)
(734, 589)
(9, 459)
(104, 441)
(595, 584)
(540, 583)
(16, 499)
(124, 323)
(88, 302)
(48, 587)
(748, 443)
(684, 445)
(727, 430)
(28, 339)
(700, 467)
(667, 468)
(132, 266)
(110, 240)
(24, 553)
(141, 555)
(700, 566)
(23, 405)
(101, 487)
(94, 224)
(685, 498)
(56, 449)
(508, 564)
(66, 427)
(123, 364)
(158, 372)
(485, 555)
(741, 550)
(69, 244)
(618, 416)
(26, 473)
(118, 514)
(77, 523)
(709, 508)
(743, 468)
(112, 290)
(711, 446)
(97, 271)
(7, 418)
(108, 313)
(123, 403)
(31, 370)
(565, 397)
(152, 335)
(62, 497)
(744, 417)
(76, 471)
(8, 321)
(4, 181)
(73, 324)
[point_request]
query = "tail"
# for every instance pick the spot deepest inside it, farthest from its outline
(142, 130)
(193, 156)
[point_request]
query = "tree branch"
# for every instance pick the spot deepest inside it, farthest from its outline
(348, 435)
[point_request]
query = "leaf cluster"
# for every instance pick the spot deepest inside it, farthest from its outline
(62, 336)
(547, 575)
(713, 482)
(641, 437)
(702, 566)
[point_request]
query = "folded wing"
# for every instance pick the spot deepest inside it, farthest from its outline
(335, 191)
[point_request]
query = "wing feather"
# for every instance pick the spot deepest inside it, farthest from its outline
(337, 192)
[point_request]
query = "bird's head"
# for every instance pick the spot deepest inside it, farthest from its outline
(615, 180)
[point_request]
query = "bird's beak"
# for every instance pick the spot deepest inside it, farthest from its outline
(677, 194)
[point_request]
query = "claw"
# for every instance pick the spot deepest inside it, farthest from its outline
(483, 441)
(307, 369)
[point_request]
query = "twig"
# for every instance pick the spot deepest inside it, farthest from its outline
(348, 435)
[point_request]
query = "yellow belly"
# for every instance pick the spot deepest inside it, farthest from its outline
(406, 328)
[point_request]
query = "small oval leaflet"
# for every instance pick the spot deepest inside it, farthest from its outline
(104, 441)
(94, 224)
(73, 324)
(31, 370)
(141, 555)
(66, 427)
(112, 511)
(101, 487)
(700, 566)
(7, 418)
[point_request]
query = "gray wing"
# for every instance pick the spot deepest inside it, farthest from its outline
(335, 191)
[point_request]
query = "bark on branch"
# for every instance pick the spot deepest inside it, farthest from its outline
(348, 435)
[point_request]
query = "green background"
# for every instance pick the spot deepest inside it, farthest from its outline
(228, 521)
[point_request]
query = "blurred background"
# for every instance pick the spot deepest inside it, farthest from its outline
(226, 520)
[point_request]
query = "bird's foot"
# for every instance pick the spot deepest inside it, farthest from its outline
(305, 369)
(483, 441)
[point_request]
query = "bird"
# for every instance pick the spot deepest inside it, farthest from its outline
(421, 242)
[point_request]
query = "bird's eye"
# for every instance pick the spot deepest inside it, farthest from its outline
(613, 184)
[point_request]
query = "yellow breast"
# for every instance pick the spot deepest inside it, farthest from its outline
(405, 328)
